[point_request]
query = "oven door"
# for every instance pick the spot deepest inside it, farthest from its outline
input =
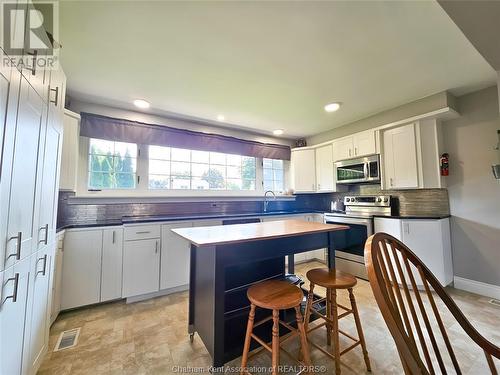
(350, 244)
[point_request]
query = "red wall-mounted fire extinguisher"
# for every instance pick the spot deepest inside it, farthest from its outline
(444, 163)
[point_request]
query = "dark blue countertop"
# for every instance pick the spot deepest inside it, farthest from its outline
(164, 218)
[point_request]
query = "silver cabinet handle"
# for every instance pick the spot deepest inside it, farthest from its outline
(14, 293)
(355, 150)
(56, 99)
(44, 258)
(46, 239)
(319, 186)
(156, 247)
(33, 68)
(17, 254)
(114, 235)
(391, 182)
(143, 232)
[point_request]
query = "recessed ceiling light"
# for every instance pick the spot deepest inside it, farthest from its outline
(278, 132)
(221, 118)
(141, 103)
(332, 107)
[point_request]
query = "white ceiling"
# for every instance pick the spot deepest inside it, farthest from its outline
(266, 65)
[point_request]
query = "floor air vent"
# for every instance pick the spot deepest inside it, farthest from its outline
(495, 302)
(67, 339)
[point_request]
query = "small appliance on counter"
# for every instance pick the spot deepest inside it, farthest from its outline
(358, 215)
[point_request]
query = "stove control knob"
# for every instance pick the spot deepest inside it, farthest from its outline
(386, 199)
(348, 199)
(379, 199)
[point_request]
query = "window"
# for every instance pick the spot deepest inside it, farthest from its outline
(112, 165)
(175, 168)
(273, 175)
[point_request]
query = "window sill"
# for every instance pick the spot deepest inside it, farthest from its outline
(109, 198)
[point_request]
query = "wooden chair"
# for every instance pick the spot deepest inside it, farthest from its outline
(395, 274)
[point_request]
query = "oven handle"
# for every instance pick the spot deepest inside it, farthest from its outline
(347, 220)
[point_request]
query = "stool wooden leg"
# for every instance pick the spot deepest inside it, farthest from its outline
(359, 328)
(248, 339)
(303, 338)
(276, 342)
(329, 316)
(335, 318)
(309, 304)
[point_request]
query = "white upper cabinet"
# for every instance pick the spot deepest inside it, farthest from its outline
(364, 143)
(303, 170)
(343, 149)
(353, 146)
(175, 255)
(69, 162)
(400, 158)
(324, 169)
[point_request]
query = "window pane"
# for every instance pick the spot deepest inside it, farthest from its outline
(277, 164)
(100, 146)
(125, 149)
(278, 185)
(125, 165)
(278, 175)
(199, 170)
(199, 184)
(181, 169)
(100, 163)
(100, 180)
(181, 183)
(159, 182)
(234, 160)
(248, 185)
(159, 167)
(215, 178)
(159, 152)
(125, 180)
(233, 172)
(180, 154)
(268, 185)
(200, 156)
(248, 168)
(267, 163)
(217, 158)
(268, 174)
(234, 184)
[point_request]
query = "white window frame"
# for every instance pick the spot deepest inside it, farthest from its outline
(142, 172)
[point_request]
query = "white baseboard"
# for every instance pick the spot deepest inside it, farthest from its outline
(477, 287)
(160, 293)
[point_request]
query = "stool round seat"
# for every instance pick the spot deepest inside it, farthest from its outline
(275, 295)
(331, 278)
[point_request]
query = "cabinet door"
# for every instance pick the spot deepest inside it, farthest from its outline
(175, 253)
(324, 168)
(31, 112)
(12, 316)
(112, 263)
(37, 322)
(141, 267)
(69, 162)
(342, 149)
(303, 170)
(400, 158)
(57, 280)
(364, 143)
(389, 226)
(81, 276)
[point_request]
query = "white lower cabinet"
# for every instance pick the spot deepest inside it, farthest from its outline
(429, 239)
(112, 261)
(175, 255)
(14, 293)
(81, 273)
(57, 264)
(141, 267)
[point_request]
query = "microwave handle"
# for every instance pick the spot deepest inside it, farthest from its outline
(366, 170)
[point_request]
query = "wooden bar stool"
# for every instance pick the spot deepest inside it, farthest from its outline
(275, 295)
(333, 280)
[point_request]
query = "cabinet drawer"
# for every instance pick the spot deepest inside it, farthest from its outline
(141, 232)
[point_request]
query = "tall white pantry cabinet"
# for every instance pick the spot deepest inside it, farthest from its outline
(31, 112)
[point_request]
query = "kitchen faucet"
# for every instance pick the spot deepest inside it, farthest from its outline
(266, 202)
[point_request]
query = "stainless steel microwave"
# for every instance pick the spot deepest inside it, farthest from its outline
(357, 171)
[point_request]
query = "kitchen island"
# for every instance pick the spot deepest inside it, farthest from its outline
(227, 260)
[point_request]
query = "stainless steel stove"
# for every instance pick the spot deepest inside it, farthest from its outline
(358, 215)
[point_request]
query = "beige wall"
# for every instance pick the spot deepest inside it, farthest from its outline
(474, 193)
(418, 107)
